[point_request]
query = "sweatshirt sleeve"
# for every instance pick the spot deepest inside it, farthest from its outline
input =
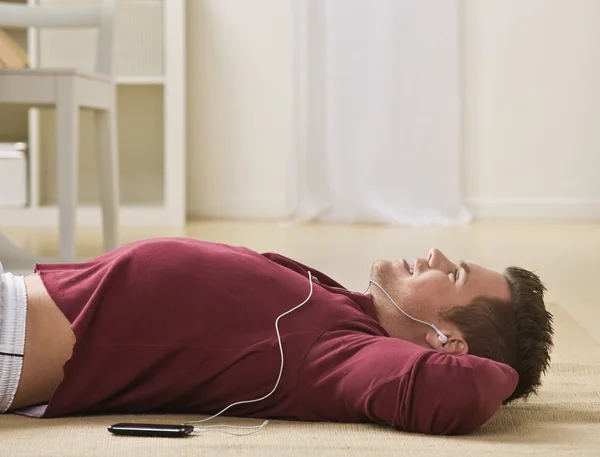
(387, 380)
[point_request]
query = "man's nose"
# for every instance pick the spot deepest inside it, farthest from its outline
(439, 261)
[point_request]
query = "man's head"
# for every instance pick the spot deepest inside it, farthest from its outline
(482, 312)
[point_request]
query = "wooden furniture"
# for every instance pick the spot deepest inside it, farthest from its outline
(69, 91)
(149, 76)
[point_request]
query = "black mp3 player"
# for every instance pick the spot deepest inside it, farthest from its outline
(156, 430)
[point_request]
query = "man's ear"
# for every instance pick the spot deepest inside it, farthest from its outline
(456, 344)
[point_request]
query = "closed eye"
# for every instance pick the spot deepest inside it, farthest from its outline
(455, 274)
(462, 265)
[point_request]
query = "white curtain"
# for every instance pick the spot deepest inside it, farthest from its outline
(377, 112)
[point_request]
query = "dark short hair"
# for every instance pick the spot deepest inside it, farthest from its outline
(517, 332)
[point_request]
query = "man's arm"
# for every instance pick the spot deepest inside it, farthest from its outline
(386, 380)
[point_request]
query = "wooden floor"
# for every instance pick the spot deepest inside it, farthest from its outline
(565, 255)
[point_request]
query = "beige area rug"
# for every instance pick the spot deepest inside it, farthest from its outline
(563, 420)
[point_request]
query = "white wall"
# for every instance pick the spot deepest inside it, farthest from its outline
(532, 107)
(532, 114)
(239, 115)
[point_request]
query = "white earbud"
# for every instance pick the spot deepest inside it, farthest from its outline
(443, 338)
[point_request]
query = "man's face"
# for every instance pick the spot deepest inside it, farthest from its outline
(426, 287)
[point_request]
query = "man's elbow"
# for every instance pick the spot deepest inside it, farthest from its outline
(471, 415)
(455, 407)
(453, 416)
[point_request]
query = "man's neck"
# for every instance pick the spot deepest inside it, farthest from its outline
(387, 317)
(394, 323)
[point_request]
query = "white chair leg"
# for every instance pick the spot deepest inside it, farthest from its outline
(67, 147)
(108, 164)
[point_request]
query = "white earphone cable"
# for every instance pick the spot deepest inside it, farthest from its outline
(443, 338)
(214, 428)
(258, 427)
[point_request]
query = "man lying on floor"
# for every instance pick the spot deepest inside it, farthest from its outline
(185, 326)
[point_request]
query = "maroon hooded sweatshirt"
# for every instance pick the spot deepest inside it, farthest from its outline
(184, 326)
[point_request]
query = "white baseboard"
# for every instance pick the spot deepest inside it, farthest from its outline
(130, 216)
(249, 207)
(273, 207)
(560, 208)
